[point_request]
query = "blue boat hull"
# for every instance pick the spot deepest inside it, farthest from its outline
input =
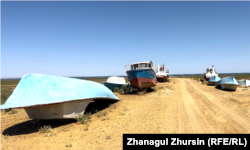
(213, 80)
(142, 78)
(228, 83)
(112, 86)
(38, 90)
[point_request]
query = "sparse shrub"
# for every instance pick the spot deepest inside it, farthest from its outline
(108, 137)
(65, 129)
(125, 88)
(105, 118)
(205, 82)
(68, 145)
(98, 115)
(45, 129)
(102, 113)
(5, 94)
(6, 136)
(116, 89)
(120, 91)
(114, 106)
(105, 113)
(12, 112)
(83, 119)
(122, 113)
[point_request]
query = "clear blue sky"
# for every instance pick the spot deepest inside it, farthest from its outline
(99, 38)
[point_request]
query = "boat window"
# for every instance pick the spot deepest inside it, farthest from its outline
(143, 65)
(211, 70)
(135, 66)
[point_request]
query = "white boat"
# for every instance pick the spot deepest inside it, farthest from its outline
(114, 81)
(228, 83)
(244, 83)
(210, 72)
(162, 74)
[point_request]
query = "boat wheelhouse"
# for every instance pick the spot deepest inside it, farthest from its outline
(210, 72)
(162, 74)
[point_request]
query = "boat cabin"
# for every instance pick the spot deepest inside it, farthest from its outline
(140, 65)
(211, 70)
(161, 68)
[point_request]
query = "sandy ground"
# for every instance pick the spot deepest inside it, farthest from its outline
(181, 106)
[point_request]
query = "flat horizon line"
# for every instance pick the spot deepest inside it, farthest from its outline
(17, 78)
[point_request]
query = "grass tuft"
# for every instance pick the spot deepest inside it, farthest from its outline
(5, 94)
(11, 112)
(45, 129)
(83, 119)
(68, 145)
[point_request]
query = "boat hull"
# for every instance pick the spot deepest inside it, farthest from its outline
(112, 86)
(162, 78)
(53, 97)
(228, 83)
(229, 87)
(208, 76)
(213, 80)
(142, 78)
(244, 83)
(212, 83)
(68, 110)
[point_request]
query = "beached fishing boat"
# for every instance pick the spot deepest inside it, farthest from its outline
(141, 75)
(228, 83)
(244, 83)
(210, 72)
(162, 74)
(53, 97)
(213, 80)
(114, 81)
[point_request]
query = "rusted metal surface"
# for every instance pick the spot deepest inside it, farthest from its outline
(141, 83)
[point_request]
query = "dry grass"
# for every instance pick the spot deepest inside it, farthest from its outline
(83, 119)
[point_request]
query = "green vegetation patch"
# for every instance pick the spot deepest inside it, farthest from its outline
(5, 94)
(83, 119)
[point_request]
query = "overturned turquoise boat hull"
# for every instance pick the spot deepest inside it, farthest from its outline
(213, 80)
(52, 97)
(228, 83)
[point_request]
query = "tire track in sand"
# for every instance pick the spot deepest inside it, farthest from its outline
(210, 113)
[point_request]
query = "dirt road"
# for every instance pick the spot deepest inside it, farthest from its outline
(181, 106)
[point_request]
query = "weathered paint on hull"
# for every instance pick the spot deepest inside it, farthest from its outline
(229, 87)
(67, 110)
(142, 78)
(162, 78)
(141, 83)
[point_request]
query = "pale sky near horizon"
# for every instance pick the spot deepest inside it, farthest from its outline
(83, 38)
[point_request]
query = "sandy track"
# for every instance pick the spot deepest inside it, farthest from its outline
(181, 106)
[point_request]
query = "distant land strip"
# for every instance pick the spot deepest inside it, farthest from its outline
(89, 77)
